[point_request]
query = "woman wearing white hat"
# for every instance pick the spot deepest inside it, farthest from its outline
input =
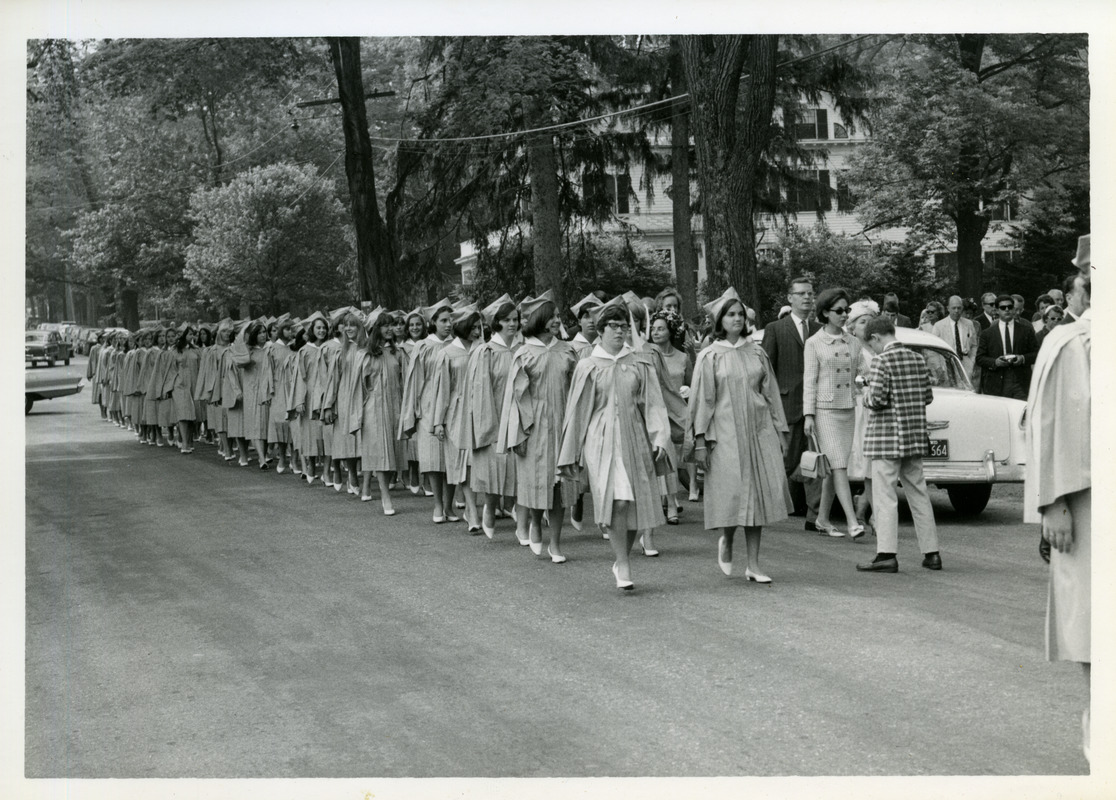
(492, 474)
(860, 313)
(417, 412)
(531, 420)
(616, 424)
(343, 404)
(740, 434)
(383, 393)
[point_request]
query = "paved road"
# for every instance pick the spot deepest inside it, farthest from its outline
(186, 618)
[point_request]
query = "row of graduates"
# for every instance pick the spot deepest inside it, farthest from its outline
(522, 421)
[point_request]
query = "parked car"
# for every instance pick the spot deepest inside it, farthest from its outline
(48, 385)
(46, 346)
(976, 440)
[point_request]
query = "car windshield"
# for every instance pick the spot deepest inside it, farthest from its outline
(34, 336)
(944, 367)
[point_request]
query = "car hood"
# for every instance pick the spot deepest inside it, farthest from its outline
(975, 423)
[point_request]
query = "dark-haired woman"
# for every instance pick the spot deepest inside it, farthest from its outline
(210, 383)
(413, 331)
(278, 427)
(137, 386)
(492, 473)
(675, 371)
(449, 408)
(250, 360)
(308, 402)
(202, 428)
(829, 390)
(416, 417)
(331, 354)
(383, 393)
(740, 434)
(343, 405)
(616, 424)
(160, 383)
(531, 420)
(186, 365)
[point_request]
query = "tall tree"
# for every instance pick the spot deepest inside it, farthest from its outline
(685, 254)
(732, 97)
(972, 124)
(377, 256)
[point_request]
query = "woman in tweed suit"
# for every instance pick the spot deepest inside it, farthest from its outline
(832, 360)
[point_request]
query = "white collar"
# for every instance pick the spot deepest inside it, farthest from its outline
(536, 341)
(432, 338)
(499, 339)
(579, 337)
(600, 352)
(1002, 323)
(458, 343)
(798, 320)
(743, 340)
(832, 337)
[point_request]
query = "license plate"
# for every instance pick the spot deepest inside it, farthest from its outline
(939, 448)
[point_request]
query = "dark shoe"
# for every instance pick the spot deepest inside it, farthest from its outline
(932, 561)
(811, 526)
(887, 565)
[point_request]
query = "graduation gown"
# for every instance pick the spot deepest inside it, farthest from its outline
(450, 366)
(734, 402)
(255, 386)
(278, 428)
(486, 379)
(345, 395)
(309, 361)
(417, 413)
(614, 420)
(186, 367)
(409, 446)
(533, 408)
(383, 394)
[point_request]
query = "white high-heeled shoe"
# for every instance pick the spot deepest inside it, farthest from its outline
(726, 566)
(625, 585)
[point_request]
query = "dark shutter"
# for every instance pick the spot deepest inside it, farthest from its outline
(823, 123)
(623, 189)
(824, 202)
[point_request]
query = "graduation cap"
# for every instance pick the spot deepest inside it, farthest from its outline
(715, 308)
(269, 321)
(429, 312)
(459, 304)
(414, 312)
(530, 305)
(336, 314)
(489, 311)
(616, 302)
(463, 313)
(585, 304)
(371, 318)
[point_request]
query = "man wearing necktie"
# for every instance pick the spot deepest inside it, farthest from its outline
(1006, 352)
(784, 341)
(960, 332)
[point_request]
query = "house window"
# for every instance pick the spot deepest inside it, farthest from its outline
(1006, 211)
(999, 258)
(810, 192)
(846, 200)
(813, 123)
(619, 187)
(839, 131)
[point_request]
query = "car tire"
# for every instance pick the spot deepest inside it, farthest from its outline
(27, 406)
(50, 362)
(66, 362)
(968, 500)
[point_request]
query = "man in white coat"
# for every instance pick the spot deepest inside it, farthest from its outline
(961, 333)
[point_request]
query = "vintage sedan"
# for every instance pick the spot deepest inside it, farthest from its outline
(44, 385)
(46, 346)
(976, 440)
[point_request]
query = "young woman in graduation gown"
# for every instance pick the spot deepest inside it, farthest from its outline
(531, 420)
(383, 394)
(160, 382)
(278, 427)
(331, 352)
(212, 385)
(492, 474)
(308, 401)
(675, 371)
(250, 360)
(740, 434)
(343, 405)
(616, 424)
(450, 366)
(416, 417)
(414, 331)
(186, 366)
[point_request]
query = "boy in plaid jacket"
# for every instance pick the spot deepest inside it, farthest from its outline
(896, 440)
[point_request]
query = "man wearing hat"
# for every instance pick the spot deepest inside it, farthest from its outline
(1057, 490)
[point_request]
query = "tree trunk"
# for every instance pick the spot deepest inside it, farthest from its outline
(546, 229)
(731, 115)
(971, 225)
(128, 307)
(377, 259)
(685, 257)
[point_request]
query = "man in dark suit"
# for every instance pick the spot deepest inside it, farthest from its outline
(987, 314)
(784, 340)
(1006, 352)
(891, 311)
(1074, 288)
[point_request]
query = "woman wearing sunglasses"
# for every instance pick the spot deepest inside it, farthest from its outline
(832, 360)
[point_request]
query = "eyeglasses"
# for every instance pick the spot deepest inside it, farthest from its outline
(618, 327)
(807, 295)
(842, 310)
(1005, 308)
